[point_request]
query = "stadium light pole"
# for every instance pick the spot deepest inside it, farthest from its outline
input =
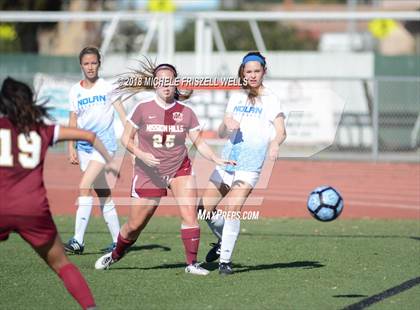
(351, 24)
(112, 28)
(199, 42)
(258, 38)
(208, 48)
(375, 120)
(149, 36)
(166, 37)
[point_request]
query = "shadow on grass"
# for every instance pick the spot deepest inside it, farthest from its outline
(349, 296)
(238, 268)
(133, 249)
(163, 266)
(149, 247)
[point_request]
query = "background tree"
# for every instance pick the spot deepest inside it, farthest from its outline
(238, 36)
(26, 33)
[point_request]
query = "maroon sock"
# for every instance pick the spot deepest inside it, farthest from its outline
(122, 246)
(76, 284)
(191, 239)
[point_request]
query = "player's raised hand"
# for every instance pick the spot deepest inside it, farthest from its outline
(73, 158)
(149, 159)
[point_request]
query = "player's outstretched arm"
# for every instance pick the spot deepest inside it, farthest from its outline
(72, 152)
(281, 135)
(118, 106)
(205, 150)
(127, 140)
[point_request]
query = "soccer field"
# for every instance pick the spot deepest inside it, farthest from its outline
(278, 263)
(314, 100)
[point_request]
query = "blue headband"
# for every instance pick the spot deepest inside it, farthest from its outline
(253, 58)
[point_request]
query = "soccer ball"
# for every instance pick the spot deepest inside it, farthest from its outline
(325, 203)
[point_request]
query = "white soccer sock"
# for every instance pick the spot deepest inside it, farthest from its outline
(82, 217)
(111, 219)
(229, 237)
(216, 224)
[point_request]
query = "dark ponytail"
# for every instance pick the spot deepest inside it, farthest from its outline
(147, 72)
(18, 105)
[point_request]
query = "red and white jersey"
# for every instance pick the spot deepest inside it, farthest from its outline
(162, 132)
(21, 167)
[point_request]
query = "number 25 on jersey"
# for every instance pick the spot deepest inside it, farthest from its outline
(158, 141)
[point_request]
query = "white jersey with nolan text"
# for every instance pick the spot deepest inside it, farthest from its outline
(248, 145)
(95, 112)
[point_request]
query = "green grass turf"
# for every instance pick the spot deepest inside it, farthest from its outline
(279, 264)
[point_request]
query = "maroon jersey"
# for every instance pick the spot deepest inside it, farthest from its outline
(162, 132)
(22, 157)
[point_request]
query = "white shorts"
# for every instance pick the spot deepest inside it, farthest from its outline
(220, 176)
(85, 157)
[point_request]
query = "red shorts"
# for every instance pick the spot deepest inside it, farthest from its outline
(37, 230)
(147, 182)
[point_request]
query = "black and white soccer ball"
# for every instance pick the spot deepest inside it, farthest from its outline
(325, 203)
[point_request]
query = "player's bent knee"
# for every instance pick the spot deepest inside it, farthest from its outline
(85, 191)
(59, 263)
(239, 184)
(204, 207)
(190, 220)
(134, 227)
(53, 254)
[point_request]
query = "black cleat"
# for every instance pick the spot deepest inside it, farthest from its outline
(225, 269)
(74, 247)
(214, 252)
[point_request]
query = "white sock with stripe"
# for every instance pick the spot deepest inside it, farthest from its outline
(229, 237)
(110, 215)
(82, 217)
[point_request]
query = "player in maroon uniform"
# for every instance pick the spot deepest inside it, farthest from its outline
(162, 162)
(24, 140)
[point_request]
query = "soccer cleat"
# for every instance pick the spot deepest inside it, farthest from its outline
(214, 252)
(109, 248)
(196, 269)
(74, 247)
(104, 261)
(225, 269)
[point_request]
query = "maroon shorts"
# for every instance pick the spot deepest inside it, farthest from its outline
(149, 183)
(37, 229)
